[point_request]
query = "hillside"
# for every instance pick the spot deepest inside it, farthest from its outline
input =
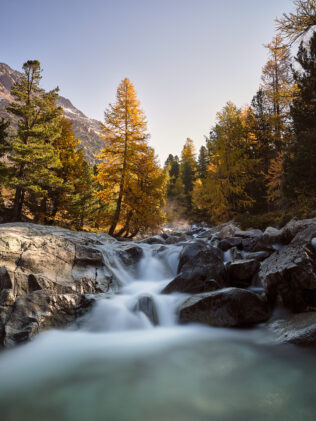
(85, 128)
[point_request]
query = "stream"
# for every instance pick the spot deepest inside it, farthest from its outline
(116, 364)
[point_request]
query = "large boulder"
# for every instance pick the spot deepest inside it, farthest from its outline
(306, 235)
(228, 307)
(44, 273)
(289, 274)
(192, 282)
(199, 260)
(241, 272)
(229, 242)
(272, 236)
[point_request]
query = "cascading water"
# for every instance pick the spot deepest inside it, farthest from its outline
(146, 279)
(128, 359)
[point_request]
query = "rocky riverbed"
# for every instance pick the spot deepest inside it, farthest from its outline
(80, 304)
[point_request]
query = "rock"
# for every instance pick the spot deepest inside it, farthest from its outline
(228, 243)
(207, 259)
(306, 235)
(227, 230)
(229, 307)
(173, 239)
(241, 272)
(289, 274)
(255, 244)
(36, 312)
(257, 255)
(157, 239)
(130, 255)
(299, 329)
(272, 236)
(192, 282)
(254, 233)
(292, 228)
(44, 271)
(147, 306)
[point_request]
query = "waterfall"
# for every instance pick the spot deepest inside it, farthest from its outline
(139, 303)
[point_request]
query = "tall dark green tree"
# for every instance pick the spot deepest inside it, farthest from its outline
(4, 149)
(202, 162)
(32, 153)
(300, 165)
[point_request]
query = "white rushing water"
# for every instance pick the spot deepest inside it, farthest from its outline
(154, 271)
(118, 365)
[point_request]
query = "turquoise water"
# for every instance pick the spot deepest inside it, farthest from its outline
(189, 373)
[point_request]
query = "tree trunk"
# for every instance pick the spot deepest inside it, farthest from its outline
(18, 203)
(126, 226)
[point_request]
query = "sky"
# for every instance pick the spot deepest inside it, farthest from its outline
(186, 58)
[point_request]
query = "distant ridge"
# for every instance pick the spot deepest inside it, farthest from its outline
(85, 128)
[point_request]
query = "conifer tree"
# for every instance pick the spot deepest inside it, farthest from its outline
(32, 154)
(300, 164)
(125, 135)
(4, 149)
(202, 162)
(188, 169)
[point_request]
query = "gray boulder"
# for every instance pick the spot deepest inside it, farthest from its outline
(241, 272)
(146, 304)
(229, 307)
(228, 243)
(289, 274)
(192, 282)
(292, 228)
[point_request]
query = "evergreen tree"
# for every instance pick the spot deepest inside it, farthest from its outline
(4, 149)
(32, 154)
(188, 169)
(202, 162)
(300, 167)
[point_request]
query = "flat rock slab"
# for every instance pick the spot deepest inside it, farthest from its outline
(299, 329)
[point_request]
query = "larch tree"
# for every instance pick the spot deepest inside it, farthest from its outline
(32, 154)
(125, 134)
(296, 25)
(188, 170)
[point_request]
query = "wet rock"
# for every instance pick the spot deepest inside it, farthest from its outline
(229, 307)
(228, 243)
(289, 274)
(147, 306)
(299, 329)
(241, 272)
(192, 282)
(131, 255)
(5, 279)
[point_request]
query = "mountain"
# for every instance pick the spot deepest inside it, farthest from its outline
(85, 128)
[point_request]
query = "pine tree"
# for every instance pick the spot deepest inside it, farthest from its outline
(4, 149)
(202, 162)
(32, 154)
(125, 135)
(188, 169)
(300, 167)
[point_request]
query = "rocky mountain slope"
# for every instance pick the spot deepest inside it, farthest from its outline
(85, 128)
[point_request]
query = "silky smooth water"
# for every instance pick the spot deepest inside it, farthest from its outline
(116, 365)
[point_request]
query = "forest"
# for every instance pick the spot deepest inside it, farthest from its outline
(257, 165)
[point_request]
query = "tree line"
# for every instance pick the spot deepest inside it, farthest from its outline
(259, 160)
(45, 178)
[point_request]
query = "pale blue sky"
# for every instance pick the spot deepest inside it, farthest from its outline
(186, 58)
